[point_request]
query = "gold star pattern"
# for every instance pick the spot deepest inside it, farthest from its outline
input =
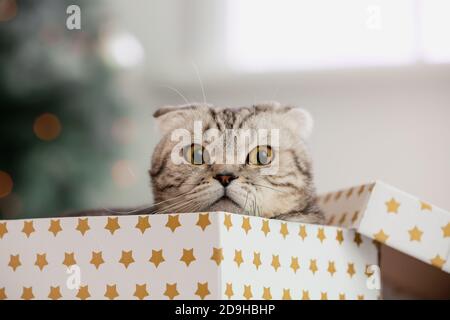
(112, 225)
(294, 264)
(342, 296)
(203, 221)
(238, 257)
(257, 259)
(425, 206)
(111, 292)
(246, 224)
(361, 190)
(41, 261)
(83, 225)
(3, 295)
(97, 259)
(248, 292)
(381, 236)
(83, 293)
(367, 272)
(55, 227)
(55, 293)
(357, 239)
(142, 224)
(127, 258)
(266, 293)
(229, 290)
(331, 268)
(3, 229)
(173, 222)
(340, 236)
(188, 256)
(342, 219)
(313, 266)
(323, 296)
(171, 291)
(302, 232)
(275, 262)
(438, 262)
(27, 293)
(392, 206)
(157, 257)
(265, 228)
(355, 216)
(360, 297)
(141, 291)
(14, 261)
(28, 228)
(202, 290)
(284, 230)
(69, 259)
(349, 193)
(446, 230)
(227, 222)
(351, 269)
(286, 294)
(415, 234)
(217, 255)
(305, 295)
(321, 234)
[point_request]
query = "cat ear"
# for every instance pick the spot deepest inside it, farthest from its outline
(303, 121)
(172, 117)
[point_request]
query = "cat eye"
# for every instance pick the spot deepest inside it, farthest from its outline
(195, 154)
(260, 156)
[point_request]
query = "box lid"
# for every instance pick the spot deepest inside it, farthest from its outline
(394, 218)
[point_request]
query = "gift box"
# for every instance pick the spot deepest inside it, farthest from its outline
(213, 255)
(393, 218)
(220, 255)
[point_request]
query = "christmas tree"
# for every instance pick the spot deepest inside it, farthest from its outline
(57, 108)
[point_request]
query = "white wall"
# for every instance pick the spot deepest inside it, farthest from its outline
(391, 124)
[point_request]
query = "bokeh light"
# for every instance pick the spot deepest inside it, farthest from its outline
(47, 127)
(123, 174)
(6, 184)
(11, 206)
(123, 50)
(8, 10)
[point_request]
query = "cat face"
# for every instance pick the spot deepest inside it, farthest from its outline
(250, 160)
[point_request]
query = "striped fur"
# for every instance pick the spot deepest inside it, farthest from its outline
(289, 194)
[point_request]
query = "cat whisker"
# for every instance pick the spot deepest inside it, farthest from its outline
(177, 92)
(263, 186)
(174, 206)
(199, 80)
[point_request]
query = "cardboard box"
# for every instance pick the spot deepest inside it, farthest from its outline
(394, 218)
(186, 256)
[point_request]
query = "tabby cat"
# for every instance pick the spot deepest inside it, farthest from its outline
(197, 183)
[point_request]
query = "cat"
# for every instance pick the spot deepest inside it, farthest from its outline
(197, 184)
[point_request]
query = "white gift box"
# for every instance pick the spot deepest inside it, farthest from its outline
(221, 255)
(184, 256)
(394, 218)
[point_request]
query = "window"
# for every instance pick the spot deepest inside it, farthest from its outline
(280, 35)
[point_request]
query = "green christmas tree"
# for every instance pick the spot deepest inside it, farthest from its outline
(57, 108)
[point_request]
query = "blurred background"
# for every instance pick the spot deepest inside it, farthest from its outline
(76, 126)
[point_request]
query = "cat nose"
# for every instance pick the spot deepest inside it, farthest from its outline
(225, 178)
